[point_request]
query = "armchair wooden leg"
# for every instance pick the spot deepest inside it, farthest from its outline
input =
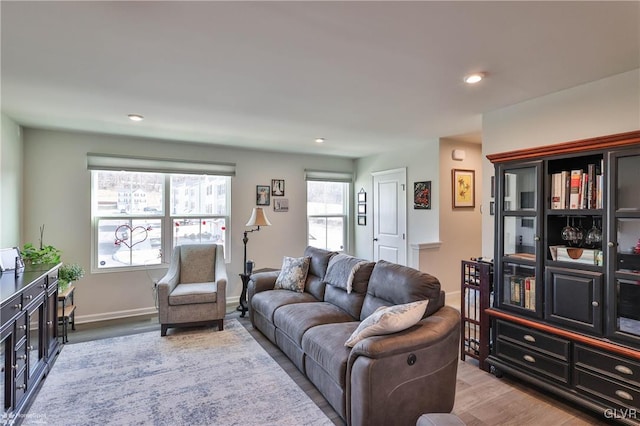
(220, 324)
(163, 330)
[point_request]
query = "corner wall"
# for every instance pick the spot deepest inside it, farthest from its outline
(460, 229)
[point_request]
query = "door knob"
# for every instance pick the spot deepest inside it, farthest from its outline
(375, 239)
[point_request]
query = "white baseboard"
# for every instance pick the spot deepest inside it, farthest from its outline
(232, 303)
(106, 316)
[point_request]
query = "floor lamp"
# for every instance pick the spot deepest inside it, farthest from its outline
(257, 219)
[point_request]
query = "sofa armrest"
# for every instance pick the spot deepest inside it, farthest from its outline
(384, 373)
(165, 286)
(427, 332)
(260, 281)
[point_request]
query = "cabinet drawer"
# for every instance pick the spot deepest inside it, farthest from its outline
(607, 390)
(11, 308)
(534, 362)
(610, 365)
(21, 328)
(52, 278)
(20, 360)
(20, 387)
(34, 291)
(537, 340)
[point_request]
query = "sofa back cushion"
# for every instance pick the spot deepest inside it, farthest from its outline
(346, 281)
(393, 284)
(317, 270)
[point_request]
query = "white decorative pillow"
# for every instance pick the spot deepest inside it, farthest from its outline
(293, 274)
(387, 320)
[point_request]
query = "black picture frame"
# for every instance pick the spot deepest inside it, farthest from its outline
(422, 195)
(362, 220)
(362, 196)
(263, 195)
(362, 209)
(277, 187)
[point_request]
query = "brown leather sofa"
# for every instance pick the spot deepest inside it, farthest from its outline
(383, 380)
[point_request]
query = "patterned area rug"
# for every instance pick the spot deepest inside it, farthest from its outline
(193, 377)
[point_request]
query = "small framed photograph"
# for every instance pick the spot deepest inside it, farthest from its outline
(362, 209)
(280, 204)
(263, 197)
(422, 195)
(492, 208)
(277, 187)
(362, 220)
(362, 196)
(463, 188)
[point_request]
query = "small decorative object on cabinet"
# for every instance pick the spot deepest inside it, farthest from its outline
(476, 292)
(567, 299)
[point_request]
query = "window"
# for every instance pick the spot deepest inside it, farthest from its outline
(139, 216)
(327, 212)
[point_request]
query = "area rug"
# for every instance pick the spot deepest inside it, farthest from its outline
(190, 377)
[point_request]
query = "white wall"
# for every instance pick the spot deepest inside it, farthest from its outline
(460, 229)
(10, 182)
(57, 194)
(422, 165)
(603, 107)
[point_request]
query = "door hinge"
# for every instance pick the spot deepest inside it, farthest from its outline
(403, 236)
(402, 186)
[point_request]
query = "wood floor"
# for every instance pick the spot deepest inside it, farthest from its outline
(481, 398)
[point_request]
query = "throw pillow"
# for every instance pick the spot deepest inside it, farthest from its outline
(388, 320)
(293, 274)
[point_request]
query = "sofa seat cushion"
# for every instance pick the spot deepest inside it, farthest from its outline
(189, 294)
(294, 320)
(325, 345)
(267, 302)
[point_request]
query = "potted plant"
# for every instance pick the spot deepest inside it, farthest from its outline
(45, 254)
(68, 273)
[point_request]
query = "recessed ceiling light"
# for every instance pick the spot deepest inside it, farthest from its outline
(474, 78)
(135, 117)
(319, 140)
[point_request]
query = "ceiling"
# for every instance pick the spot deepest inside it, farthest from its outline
(367, 76)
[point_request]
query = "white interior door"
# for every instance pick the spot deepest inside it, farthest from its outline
(390, 216)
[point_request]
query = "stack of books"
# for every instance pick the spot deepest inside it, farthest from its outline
(522, 291)
(577, 189)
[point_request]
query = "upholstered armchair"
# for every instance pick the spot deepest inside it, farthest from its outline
(193, 291)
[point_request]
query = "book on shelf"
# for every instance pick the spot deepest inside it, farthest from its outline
(575, 186)
(556, 191)
(516, 285)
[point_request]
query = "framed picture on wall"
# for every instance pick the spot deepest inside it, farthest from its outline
(422, 195)
(463, 188)
(277, 187)
(263, 195)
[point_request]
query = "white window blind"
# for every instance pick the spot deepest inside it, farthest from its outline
(326, 176)
(157, 165)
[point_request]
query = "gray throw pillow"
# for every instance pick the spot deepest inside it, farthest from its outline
(388, 320)
(293, 274)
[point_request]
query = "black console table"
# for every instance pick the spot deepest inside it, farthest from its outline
(28, 335)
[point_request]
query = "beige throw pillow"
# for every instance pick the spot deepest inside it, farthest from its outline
(387, 320)
(293, 274)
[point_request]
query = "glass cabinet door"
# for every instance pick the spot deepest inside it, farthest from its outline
(34, 341)
(518, 239)
(625, 249)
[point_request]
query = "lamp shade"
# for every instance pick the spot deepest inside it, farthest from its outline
(258, 218)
